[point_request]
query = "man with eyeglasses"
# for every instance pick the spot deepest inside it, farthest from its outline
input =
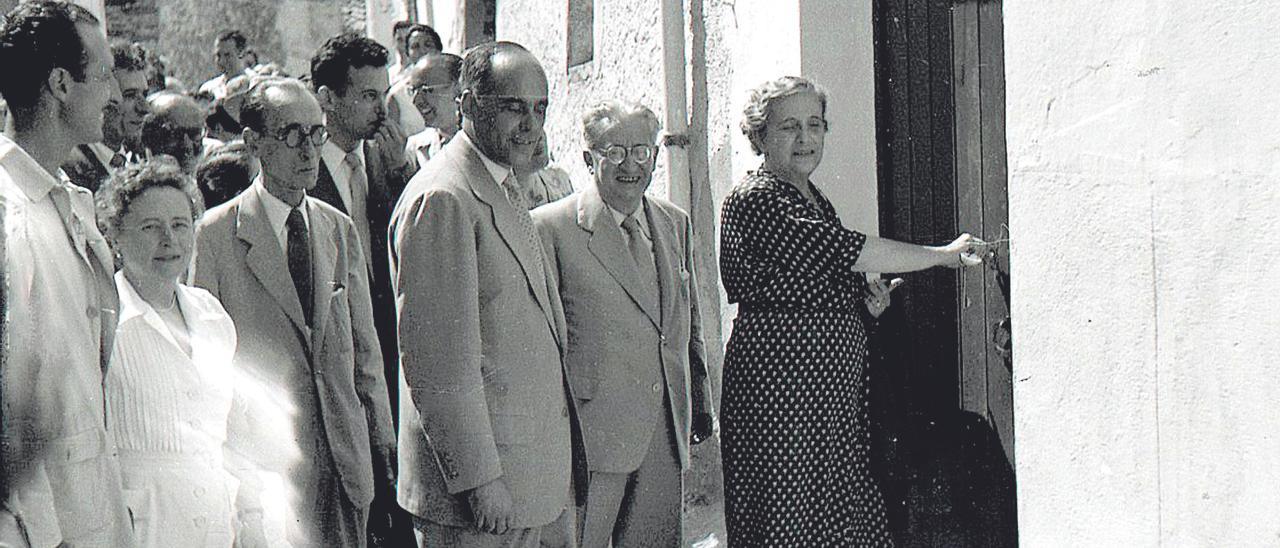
(61, 479)
(623, 262)
(175, 126)
(312, 409)
(491, 452)
(362, 172)
(90, 164)
(433, 88)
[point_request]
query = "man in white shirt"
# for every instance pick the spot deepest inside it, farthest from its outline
(61, 478)
(228, 51)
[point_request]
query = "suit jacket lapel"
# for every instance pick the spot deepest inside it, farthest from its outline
(266, 260)
(324, 257)
(607, 245)
(665, 253)
(488, 192)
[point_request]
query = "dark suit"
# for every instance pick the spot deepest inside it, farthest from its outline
(635, 361)
(480, 348)
(384, 186)
(312, 401)
(84, 169)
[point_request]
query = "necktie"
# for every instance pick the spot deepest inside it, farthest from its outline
(514, 195)
(299, 252)
(645, 265)
(358, 182)
(117, 160)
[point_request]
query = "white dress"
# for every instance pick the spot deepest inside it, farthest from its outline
(168, 415)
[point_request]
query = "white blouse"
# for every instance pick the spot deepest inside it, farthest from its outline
(168, 415)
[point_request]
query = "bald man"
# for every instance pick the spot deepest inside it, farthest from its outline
(175, 127)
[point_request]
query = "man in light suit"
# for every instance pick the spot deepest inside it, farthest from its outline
(489, 450)
(61, 479)
(624, 267)
(290, 271)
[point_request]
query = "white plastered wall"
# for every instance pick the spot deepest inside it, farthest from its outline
(1144, 206)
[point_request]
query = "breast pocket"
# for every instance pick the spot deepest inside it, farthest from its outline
(339, 330)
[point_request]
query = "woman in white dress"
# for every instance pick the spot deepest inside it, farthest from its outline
(168, 386)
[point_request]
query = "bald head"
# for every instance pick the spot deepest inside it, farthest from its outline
(175, 126)
(504, 101)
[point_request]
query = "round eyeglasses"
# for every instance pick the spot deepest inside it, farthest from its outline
(293, 135)
(616, 154)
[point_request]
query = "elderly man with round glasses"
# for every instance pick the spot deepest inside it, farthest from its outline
(313, 413)
(623, 263)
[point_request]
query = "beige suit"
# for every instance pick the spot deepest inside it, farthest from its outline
(311, 401)
(636, 363)
(480, 351)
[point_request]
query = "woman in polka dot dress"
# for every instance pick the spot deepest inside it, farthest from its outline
(794, 417)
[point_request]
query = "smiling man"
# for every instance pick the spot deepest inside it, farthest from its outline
(487, 425)
(291, 273)
(90, 164)
(623, 263)
(61, 476)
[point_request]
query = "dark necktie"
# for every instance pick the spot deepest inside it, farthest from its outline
(300, 260)
(117, 161)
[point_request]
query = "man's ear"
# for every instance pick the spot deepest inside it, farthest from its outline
(327, 98)
(250, 139)
(59, 82)
(467, 104)
(586, 157)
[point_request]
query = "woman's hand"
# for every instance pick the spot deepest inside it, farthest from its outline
(960, 252)
(878, 301)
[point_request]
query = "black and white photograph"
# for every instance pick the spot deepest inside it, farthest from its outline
(638, 273)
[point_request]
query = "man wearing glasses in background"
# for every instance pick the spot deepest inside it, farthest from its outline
(175, 127)
(433, 88)
(491, 450)
(311, 406)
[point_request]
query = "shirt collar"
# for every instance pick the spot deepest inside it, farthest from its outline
(277, 211)
(498, 171)
(26, 174)
(335, 158)
(620, 217)
(103, 153)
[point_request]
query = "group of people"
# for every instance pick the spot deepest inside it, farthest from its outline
(176, 376)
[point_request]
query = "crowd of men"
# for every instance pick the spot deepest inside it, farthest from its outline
(369, 233)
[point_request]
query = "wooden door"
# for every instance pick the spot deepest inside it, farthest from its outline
(942, 392)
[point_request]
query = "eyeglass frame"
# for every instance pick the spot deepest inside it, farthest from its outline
(628, 153)
(283, 135)
(447, 89)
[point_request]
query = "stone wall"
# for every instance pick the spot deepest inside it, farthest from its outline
(1144, 207)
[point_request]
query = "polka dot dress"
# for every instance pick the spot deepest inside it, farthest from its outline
(794, 418)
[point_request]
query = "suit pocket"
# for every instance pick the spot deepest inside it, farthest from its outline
(584, 387)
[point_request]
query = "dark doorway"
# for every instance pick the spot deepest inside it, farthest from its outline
(942, 389)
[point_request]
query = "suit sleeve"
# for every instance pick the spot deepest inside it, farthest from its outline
(699, 378)
(437, 294)
(370, 379)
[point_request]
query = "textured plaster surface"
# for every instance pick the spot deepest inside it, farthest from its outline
(1143, 205)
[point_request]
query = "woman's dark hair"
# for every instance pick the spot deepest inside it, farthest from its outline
(126, 184)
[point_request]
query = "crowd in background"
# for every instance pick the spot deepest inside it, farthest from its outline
(362, 306)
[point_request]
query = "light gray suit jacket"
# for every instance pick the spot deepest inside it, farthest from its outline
(239, 260)
(480, 351)
(617, 340)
